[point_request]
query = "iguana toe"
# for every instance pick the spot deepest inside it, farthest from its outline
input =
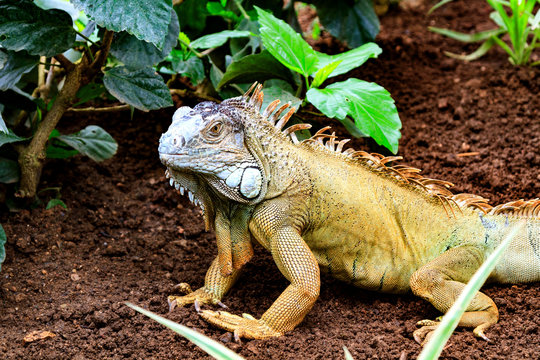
(245, 326)
(425, 333)
(197, 297)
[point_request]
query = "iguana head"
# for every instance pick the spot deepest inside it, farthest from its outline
(223, 148)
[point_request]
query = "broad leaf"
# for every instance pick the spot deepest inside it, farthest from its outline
(323, 73)
(17, 64)
(258, 67)
(9, 171)
(9, 137)
(59, 4)
(3, 59)
(138, 53)
(350, 59)
(24, 26)
(275, 92)
(55, 202)
(355, 25)
(89, 92)
(93, 142)
(147, 20)
(3, 127)
(217, 39)
(141, 88)
(285, 44)
(3, 240)
(370, 105)
(192, 15)
(193, 68)
(59, 150)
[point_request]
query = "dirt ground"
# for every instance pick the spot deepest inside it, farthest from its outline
(128, 237)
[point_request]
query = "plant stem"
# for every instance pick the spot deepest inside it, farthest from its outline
(241, 8)
(31, 157)
(85, 38)
(197, 54)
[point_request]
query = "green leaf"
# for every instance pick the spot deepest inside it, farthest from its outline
(212, 347)
(89, 92)
(93, 142)
(3, 59)
(3, 240)
(323, 73)
(218, 39)
(350, 59)
(285, 44)
(355, 25)
(9, 171)
(257, 67)
(468, 38)
(24, 26)
(55, 202)
(370, 105)
(59, 4)
(138, 53)
(3, 127)
(276, 92)
(59, 150)
(193, 68)
(17, 64)
(9, 137)
(141, 88)
(217, 9)
(147, 20)
(192, 15)
(440, 336)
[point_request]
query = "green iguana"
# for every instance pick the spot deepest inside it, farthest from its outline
(316, 206)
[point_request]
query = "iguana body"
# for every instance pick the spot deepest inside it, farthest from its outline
(313, 205)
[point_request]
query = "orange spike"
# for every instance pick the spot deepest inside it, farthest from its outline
(281, 123)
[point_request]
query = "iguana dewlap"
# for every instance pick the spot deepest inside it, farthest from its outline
(316, 206)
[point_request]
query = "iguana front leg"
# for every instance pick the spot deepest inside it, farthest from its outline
(297, 263)
(215, 286)
(441, 281)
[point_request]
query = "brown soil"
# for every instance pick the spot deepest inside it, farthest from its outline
(128, 236)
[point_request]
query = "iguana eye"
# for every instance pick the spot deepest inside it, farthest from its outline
(215, 130)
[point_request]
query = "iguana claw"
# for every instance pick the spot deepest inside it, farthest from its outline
(245, 326)
(197, 297)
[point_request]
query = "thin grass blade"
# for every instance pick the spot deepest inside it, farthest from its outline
(478, 53)
(467, 38)
(213, 348)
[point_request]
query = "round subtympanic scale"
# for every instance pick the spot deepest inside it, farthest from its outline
(233, 180)
(250, 185)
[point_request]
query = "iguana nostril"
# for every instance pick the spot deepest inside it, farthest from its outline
(178, 141)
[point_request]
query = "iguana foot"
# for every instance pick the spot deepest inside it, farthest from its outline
(199, 296)
(423, 334)
(245, 326)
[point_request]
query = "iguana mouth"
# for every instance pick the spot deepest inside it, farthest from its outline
(185, 182)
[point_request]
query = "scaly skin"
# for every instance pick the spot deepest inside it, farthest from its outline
(314, 206)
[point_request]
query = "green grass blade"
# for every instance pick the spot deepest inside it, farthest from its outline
(506, 48)
(348, 355)
(467, 38)
(212, 347)
(434, 347)
(478, 53)
(438, 5)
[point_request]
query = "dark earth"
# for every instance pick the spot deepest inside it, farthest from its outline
(127, 236)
